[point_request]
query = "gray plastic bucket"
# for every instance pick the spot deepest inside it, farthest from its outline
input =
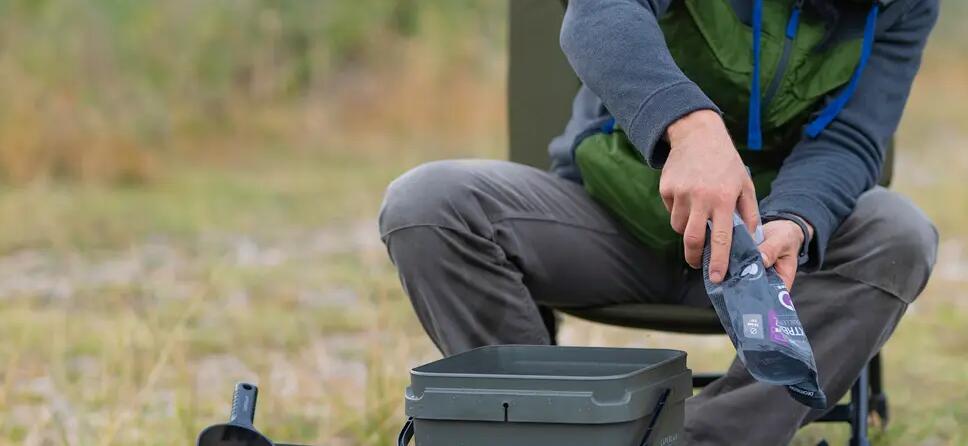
(550, 395)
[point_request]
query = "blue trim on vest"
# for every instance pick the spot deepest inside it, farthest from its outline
(754, 135)
(794, 23)
(837, 105)
(608, 126)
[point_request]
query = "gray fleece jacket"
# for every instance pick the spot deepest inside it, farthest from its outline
(618, 51)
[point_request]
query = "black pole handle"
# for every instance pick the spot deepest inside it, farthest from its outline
(406, 433)
(243, 404)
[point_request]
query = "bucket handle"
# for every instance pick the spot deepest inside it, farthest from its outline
(659, 405)
(406, 433)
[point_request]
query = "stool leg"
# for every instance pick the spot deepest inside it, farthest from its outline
(878, 395)
(550, 319)
(859, 408)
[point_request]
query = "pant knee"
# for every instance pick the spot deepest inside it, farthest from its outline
(905, 235)
(897, 244)
(434, 194)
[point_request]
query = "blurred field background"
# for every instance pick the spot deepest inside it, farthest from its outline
(188, 193)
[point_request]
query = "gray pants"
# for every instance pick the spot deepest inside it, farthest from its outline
(479, 245)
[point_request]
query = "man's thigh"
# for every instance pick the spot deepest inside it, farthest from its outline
(569, 250)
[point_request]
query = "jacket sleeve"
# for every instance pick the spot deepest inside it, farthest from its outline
(822, 178)
(618, 51)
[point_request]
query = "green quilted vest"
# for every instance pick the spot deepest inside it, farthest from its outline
(712, 46)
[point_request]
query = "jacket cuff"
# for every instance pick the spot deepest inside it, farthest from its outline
(666, 106)
(811, 210)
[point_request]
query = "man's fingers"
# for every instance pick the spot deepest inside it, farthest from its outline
(694, 238)
(668, 198)
(747, 207)
(666, 191)
(680, 215)
(721, 238)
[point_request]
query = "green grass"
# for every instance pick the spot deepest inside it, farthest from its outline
(188, 201)
(129, 312)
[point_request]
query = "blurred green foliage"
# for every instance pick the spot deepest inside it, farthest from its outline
(136, 75)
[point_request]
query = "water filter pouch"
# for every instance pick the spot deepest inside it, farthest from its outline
(757, 312)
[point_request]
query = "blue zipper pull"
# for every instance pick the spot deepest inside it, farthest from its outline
(794, 24)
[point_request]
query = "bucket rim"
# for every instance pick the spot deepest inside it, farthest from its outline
(674, 355)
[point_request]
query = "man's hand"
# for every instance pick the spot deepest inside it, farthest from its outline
(705, 179)
(782, 240)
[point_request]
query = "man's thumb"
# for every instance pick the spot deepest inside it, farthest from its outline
(770, 251)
